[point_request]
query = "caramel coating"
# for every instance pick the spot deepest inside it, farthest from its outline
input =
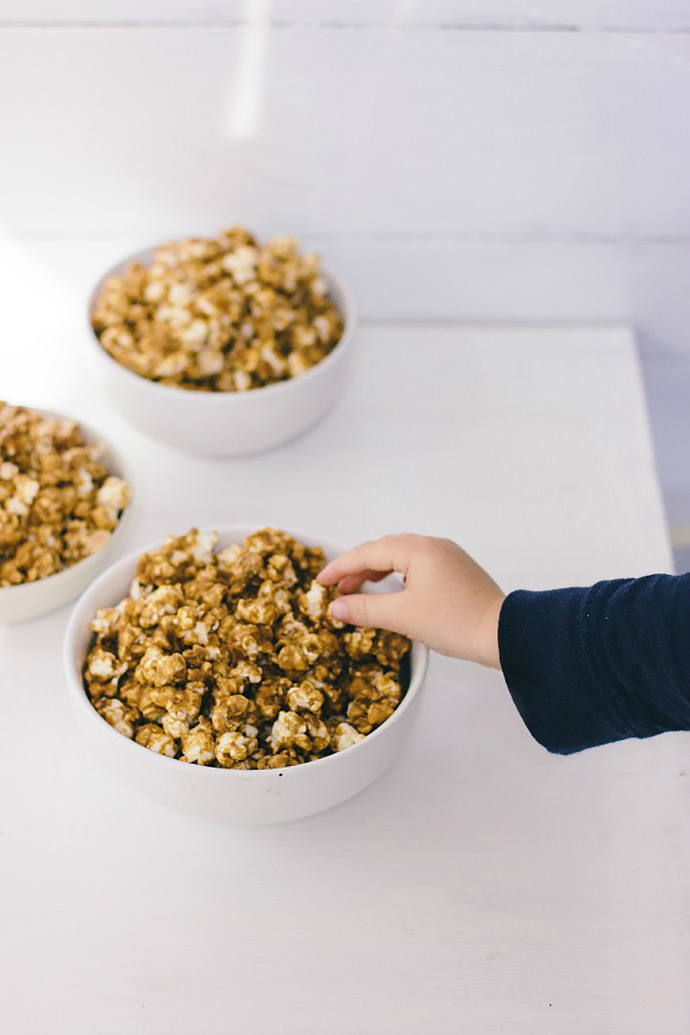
(59, 503)
(221, 314)
(231, 658)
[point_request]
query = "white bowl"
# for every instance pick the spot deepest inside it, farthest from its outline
(229, 423)
(243, 797)
(31, 599)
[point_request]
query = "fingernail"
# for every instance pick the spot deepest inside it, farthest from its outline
(340, 610)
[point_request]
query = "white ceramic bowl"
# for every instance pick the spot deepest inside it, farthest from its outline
(229, 423)
(32, 599)
(243, 797)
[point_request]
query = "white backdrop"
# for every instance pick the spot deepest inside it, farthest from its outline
(476, 161)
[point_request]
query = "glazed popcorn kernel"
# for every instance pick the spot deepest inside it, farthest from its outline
(58, 501)
(230, 657)
(222, 314)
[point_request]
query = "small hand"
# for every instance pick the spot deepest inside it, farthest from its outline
(448, 601)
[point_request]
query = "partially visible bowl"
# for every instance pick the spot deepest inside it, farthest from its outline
(242, 797)
(229, 423)
(32, 599)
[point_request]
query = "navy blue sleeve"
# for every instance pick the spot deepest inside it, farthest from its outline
(593, 665)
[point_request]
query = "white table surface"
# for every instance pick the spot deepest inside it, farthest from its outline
(481, 885)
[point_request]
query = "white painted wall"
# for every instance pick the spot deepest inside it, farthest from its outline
(482, 161)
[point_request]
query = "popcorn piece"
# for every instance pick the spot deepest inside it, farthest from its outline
(117, 715)
(366, 716)
(234, 747)
(289, 730)
(305, 697)
(291, 658)
(113, 494)
(257, 612)
(149, 704)
(164, 600)
(226, 558)
(359, 642)
(374, 697)
(159, 669)
(106, 621)
(175, 727)
(314, 601)
(229, 713)
(198, 745)
(344, 736)
(390, 648)
(26, 490)
(103, 666)
(155, 739)
(299, 732)
(318, 734)
(84, 484)
(180, 704)
(270, 697)
(245, 671)
(202, 546)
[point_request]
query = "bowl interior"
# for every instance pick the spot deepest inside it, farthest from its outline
(338, 291)
(114, 584)
(113, 461)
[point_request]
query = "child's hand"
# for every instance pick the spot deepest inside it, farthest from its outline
(448, 601)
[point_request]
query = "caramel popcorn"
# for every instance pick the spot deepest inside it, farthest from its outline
(58, 501)
(222, 314)
(231, 658)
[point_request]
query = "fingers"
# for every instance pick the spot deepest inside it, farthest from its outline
(379, 610)
(370, 562)
(352, 583)
(392, 553)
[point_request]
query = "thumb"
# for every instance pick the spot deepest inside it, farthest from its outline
(377, 610)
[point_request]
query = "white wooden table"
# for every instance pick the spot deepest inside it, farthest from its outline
(481, 885)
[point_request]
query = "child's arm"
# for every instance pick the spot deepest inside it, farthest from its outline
(585, 666)
(591, 665)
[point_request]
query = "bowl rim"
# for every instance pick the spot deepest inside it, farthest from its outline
(418, 668)
(117, 468)
(348, 311)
